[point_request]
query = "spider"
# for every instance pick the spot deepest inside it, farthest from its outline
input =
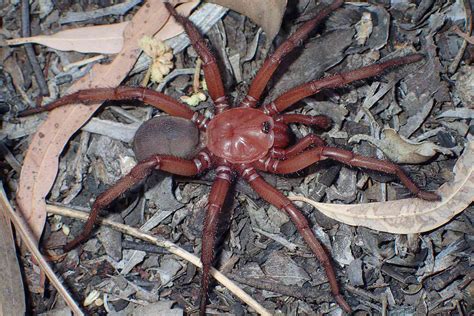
(241, 141)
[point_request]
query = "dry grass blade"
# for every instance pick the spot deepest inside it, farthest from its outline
(171, 247)
(41, 161)
(26, 235)
(410, 216)
(266, 13)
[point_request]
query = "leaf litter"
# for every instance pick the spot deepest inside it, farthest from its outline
(402, 102)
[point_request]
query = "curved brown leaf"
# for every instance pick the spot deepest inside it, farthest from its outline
(399, 149)
(12, 293)
(410, 216)
(41, 161)
(266, 13)
(104, 39)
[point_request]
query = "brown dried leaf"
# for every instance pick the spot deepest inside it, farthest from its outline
(171, 28)
(414, 215)
(400, 149)
(12, 295)
(41, 161)
(104, 39)
(266, 13)
(28, 241)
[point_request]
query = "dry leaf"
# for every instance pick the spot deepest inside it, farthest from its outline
(401, 150)
(410, 216)
(105, 39)
(28, 241)
(12, 294)
(266, 13)
(41, 161)
(171, 28)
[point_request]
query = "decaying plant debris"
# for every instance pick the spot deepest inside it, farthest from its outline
(380, 272)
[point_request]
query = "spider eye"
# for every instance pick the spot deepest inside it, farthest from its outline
(266, 127)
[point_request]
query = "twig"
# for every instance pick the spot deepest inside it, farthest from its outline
(288, 290)
(9, 157)
(365, 294)
(171, 247)
(128, 244)
(83, 62)
(172, 75)
(197, 74)
(279, 239)
(22, 227)
(30, 52)
(468, 9)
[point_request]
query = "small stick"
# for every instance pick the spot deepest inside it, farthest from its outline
(168, 245)
(288, 290)
(197, 73)
(468, 9)
(27, 236)
(30, 52)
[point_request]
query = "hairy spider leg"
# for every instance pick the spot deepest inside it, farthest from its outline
(270, 65)
(209, 62)
(334, 81)
(156, 99)
(281, 202)
(143, 169)
(309, 157)
(218, 194)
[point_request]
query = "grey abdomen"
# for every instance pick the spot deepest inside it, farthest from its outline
(166, 135)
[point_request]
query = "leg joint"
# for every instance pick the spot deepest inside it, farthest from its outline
(249, 174)
(200, 120)
(270, 108)
(249, 102)
(298, 219)
(202, 161)
(269, 163)
(224, 173)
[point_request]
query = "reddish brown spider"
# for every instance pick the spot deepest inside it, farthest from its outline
(241, 141)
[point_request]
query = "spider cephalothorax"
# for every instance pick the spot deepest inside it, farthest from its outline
(240, 141)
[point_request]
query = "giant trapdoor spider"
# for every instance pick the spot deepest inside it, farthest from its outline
(244, 140)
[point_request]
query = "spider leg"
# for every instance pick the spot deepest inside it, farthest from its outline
(319, 121)
(302, 144)
(281, 202)
(139, 172)
(157, 99)
(209, 63)
(347, 157)
(338, 80)
(271, 63)
(219, 190)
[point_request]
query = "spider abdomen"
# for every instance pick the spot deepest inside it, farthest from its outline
(240, 135)
(166, 135)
